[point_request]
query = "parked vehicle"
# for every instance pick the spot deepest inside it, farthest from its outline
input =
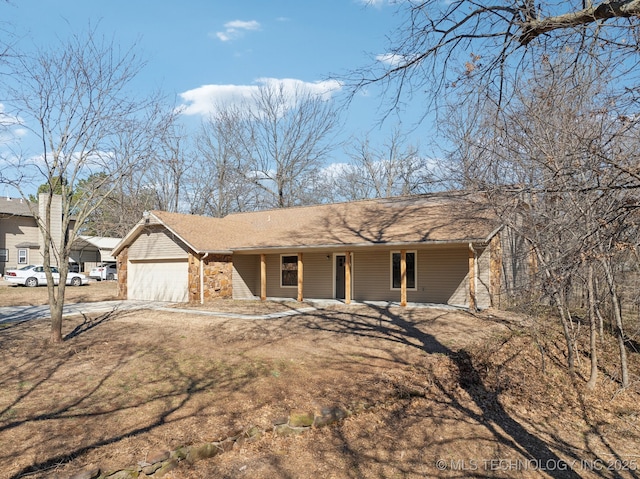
(104, 271)
(34, 275)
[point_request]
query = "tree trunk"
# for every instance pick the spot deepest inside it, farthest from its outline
(55, 304)
(593, 329)
(56, 321)
(568, 339)
(617, 314)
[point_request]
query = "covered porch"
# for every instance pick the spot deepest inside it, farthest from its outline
(456, 274)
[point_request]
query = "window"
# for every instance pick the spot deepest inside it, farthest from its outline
(289, 266)
(22, 256)
(4, 255)
(396, 281)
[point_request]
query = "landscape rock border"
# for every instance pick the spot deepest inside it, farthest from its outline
(157, 464)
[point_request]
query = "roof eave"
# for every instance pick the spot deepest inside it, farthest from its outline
(213, 251)
(343, 246)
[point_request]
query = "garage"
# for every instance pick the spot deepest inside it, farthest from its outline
(157, 267)
(159, 280)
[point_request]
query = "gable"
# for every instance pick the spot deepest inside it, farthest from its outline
(156, 242)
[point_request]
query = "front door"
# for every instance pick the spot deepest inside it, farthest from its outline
(340, 276)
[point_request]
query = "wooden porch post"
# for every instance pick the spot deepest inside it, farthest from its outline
(347, 278)
(300, 277)
(263, 277)
(403, 277)
(472, 279)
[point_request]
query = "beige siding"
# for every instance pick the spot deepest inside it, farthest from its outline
(15, 230)
(246, 277)
(318, 275)
(372, 277)
(443, 275)
(273, 279)
(157, 244)
(55, 213)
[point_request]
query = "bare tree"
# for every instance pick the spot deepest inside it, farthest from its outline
(74, 99)
(558, 163)
(439, 45)
(394, 168)
(220, 182)
(168, 168)
(284, 136)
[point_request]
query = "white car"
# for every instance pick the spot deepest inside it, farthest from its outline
(104, 271)
(34, 275)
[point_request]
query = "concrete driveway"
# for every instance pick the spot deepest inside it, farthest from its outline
(10, 314)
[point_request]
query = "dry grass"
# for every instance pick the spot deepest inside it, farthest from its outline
(443, 385)
(13, 295)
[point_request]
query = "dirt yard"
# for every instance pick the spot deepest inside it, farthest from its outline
(13, 295)
(436, 393)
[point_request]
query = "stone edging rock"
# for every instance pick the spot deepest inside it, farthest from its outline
(159, 463)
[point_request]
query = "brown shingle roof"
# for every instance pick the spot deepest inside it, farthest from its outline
(452, 217)
(15, 207)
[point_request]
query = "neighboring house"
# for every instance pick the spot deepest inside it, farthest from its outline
(439, 248)
(21, 242)
(19, 235)
(92, 250)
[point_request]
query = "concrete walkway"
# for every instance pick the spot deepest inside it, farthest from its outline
(12, 314)
(281, 314)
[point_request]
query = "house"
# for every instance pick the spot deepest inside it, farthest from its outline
(93, 249)
(21, 242)
(438, 248)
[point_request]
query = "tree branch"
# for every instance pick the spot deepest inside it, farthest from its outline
(605, 11)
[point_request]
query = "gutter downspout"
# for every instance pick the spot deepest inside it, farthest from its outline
(202, 277)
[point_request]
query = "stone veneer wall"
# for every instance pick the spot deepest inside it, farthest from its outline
(217, 277)
(122, 263)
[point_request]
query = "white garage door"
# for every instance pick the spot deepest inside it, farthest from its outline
(159, 280)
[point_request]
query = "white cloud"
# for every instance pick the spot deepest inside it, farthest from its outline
(335, 170)
(11, 127)
(8, 120)
(391, 59)
(324, 89)
(203, 100)
(236, 29)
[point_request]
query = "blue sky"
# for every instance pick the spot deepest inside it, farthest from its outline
(198, 50)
